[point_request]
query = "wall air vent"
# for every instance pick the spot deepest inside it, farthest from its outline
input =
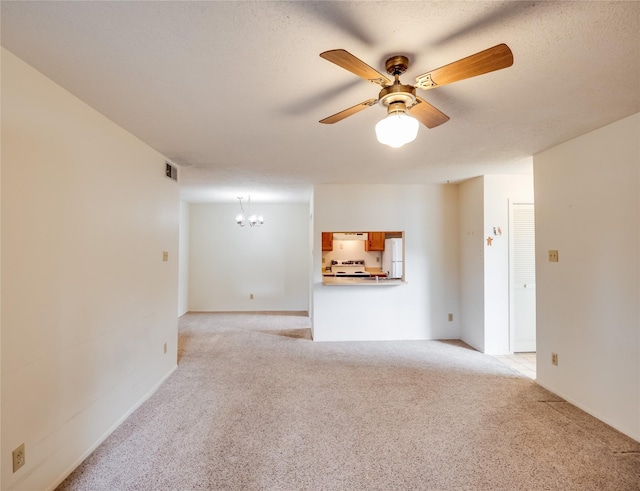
(171, 171)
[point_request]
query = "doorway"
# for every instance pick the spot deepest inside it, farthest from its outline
(522, 273)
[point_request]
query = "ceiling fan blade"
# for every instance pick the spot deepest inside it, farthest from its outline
(427, 114)
(348, 112)
(355, 65)
(486, 61)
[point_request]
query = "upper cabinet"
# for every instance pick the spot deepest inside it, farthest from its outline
(374, 242)
(327, 241)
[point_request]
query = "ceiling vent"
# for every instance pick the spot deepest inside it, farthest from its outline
(171, 171)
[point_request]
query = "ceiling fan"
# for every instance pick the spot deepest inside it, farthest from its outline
(404, 107)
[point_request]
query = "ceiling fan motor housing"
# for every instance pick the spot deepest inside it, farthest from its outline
(397, 97)
(397, 93)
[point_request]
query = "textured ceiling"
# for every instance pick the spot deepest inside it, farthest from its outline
(232, 91)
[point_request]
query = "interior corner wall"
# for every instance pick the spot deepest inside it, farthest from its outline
(499, 192)
(228, 263)
(183, 260)
(471, 239)
(310, 259)
(428, 215)
(1, 454)
(484, 269)
(587, 207)
(87, 300)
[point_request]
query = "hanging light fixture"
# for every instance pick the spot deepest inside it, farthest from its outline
(398, 127)
(246, 217)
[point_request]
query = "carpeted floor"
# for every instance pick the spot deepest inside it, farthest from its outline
(255, 404)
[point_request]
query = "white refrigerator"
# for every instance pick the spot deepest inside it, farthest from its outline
(392, 257)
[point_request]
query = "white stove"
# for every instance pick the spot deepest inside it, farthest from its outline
(348, 268)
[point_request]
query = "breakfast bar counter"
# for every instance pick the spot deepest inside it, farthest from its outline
(363, 280)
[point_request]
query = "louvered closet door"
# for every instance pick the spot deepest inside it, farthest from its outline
(523, 275)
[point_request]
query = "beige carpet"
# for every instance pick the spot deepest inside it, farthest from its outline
(255, 404)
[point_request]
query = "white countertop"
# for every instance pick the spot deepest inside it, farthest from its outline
(363, 280)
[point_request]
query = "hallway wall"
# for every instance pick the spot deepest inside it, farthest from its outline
(588, 306)
(87, 301)
(484, 269)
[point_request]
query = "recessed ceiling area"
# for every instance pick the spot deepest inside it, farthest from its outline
(233, 92)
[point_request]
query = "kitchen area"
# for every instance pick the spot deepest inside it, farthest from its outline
(362, 258)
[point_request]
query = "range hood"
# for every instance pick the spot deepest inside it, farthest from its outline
(350, 236)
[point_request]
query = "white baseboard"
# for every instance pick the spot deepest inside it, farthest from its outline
(106, 434)
(590, 411)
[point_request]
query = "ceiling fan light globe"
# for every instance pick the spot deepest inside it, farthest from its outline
(397, 129)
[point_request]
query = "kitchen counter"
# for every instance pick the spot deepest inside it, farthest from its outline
(362, 280)
(372, 271)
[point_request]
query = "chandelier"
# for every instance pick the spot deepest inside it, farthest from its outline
(246, 217)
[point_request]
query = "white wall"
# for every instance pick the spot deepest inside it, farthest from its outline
(227, 263)
(87, 302)
(472, 244)
(499, 191)
(183, 259)
(417, 310)
(1, 158)
(310, 251)
(485, 290)
(587, 207)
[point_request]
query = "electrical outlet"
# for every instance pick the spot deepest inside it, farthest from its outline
(165, 255)
(250, 296)
(18, 457)
(450, 317)
(553, 255)
(165, 348)
(554, 359)
(377, 259)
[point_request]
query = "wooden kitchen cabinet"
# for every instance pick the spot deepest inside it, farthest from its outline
(327, 241)
(375, 241)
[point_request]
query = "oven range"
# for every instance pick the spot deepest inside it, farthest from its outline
(351, 268)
